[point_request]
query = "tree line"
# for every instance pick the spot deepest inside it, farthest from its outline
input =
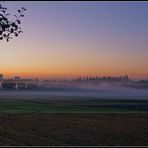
(109, 78)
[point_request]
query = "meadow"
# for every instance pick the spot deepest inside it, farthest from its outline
(72, 121)
(65, 129)
(59, 104)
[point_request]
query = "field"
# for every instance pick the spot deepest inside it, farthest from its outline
(67, 104)
(73, 121)
(73, 129)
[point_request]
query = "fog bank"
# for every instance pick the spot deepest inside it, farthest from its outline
(103, 90)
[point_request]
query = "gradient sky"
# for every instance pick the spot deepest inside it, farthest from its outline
(69, 39)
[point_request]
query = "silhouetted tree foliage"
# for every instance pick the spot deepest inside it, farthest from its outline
(108, 78)
(8, 27)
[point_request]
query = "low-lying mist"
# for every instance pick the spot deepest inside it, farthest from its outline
(93, 90)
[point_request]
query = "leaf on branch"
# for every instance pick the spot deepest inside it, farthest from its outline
(12, 30)
(16, 34)
(7, 27)
(19, 22)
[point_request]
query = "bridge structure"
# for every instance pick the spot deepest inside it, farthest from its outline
(17, 83)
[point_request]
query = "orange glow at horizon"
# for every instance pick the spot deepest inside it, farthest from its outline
(73, 73)
(36, 63)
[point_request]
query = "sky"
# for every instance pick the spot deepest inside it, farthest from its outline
(70, 39)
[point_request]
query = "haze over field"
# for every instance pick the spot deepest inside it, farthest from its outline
(105, 91)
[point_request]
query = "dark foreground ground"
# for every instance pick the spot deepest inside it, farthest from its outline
(74, 129)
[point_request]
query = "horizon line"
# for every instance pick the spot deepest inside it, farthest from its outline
(70, 77)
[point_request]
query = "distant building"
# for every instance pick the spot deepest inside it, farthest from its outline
(36, 79)
(17, 78)
(1, 77)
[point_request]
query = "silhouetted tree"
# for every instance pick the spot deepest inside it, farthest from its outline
(8, 27)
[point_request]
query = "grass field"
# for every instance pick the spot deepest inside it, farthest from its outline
(8, 106)
(73, 122)
(47, 129)
(76, 106)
